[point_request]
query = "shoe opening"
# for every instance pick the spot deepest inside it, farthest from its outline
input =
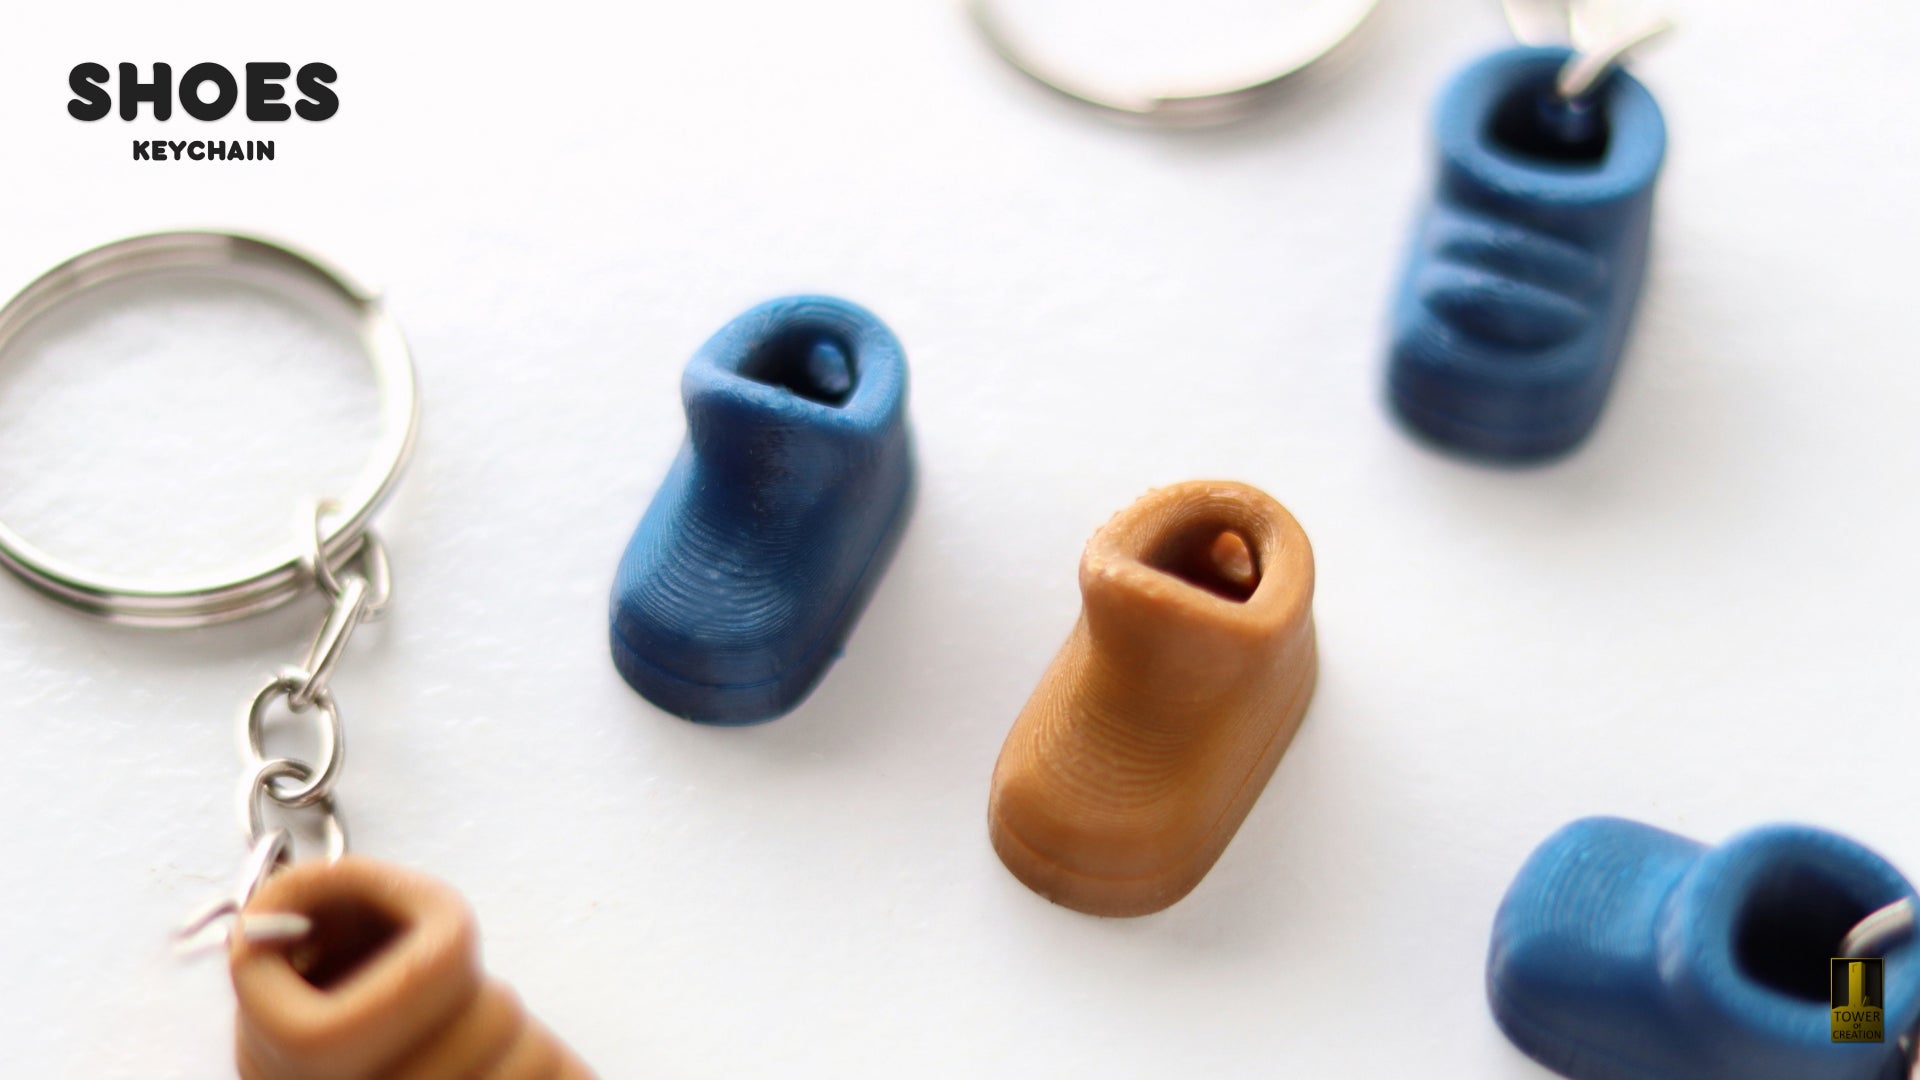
(1791, 927)
(347, 935)
(1535, 124)
(1212, 558)
(812, 364)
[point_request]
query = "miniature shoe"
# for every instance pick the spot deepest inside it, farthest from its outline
(1623, 952)
(387, 984)
(1524, 274)
(777, 519)
(1162, 717)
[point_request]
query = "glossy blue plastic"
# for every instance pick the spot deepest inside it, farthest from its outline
(1524, 272)
(1623, 952)
(778, 517)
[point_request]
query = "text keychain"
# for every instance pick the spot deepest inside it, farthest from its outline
(344, 967)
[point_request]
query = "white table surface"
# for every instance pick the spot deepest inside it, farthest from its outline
(1703, 620)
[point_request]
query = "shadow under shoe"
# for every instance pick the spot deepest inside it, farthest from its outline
(1526, 268)
(777, 519)
(387, 984)
(1163, 715)
(1622, 952)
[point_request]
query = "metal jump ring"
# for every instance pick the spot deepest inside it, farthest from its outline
(1881, 928)
(253, 813)
(317, 783)
(1590, 66)
(316, 560)
(1202, 108)
(274, 581)
(269, 853)
(266, 854)
(363, 549)
(1554, 22)
(1539, 22)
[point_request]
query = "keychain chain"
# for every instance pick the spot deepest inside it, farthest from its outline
(347, 565)
(359, 591)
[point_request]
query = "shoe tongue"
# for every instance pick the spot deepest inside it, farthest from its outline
(1221, 563)
(1233, 561)
(818, 370)
(829, 374)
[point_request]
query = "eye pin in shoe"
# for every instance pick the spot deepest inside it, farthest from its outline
(778, 517)
(1163, 715)
(385, 982)
(1623, 952)
(1525, 270)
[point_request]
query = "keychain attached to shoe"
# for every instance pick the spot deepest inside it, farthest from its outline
(342, 966)
(1525, 270)
(1623, 950)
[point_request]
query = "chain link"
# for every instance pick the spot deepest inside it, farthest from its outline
(365, 552)
(318, 782)
(349, 611)
(259, 788)
(358, 581)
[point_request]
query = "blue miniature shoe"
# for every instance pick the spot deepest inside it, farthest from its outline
(1524, 273)
(778, 517)
(1626, 953)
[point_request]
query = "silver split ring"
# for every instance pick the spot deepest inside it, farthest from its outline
(268, 583)
(1203, 107)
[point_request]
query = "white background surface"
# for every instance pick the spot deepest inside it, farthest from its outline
(1702, 620)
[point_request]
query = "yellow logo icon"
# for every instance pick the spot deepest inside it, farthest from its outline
(1857, 989)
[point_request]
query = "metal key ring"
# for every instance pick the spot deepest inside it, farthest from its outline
(264, 584)
(1197, 108)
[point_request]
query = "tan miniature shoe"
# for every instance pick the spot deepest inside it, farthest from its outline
(387, 985)
(1162, 717)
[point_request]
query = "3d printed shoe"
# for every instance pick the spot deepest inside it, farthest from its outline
(386, 984)
(777, 519)
(1525, 271)
(1623, 952)
(1162, 717)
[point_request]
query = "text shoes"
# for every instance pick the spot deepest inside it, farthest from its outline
(1525, 270)
(1623, 952)
(1169, 706)
(776, 520)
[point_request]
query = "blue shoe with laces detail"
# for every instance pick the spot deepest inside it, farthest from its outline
(1525, 270)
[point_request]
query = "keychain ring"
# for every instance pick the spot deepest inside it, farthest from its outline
(263, 584)
(1197, 108)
